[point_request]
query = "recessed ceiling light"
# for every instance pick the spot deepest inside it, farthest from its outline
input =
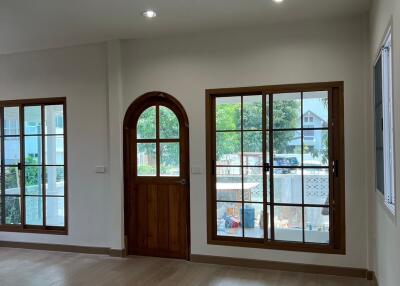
(149, 14)
(278, 1)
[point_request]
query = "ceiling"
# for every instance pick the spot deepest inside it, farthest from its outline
(40, 24)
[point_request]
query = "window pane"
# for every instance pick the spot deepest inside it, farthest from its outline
(146, 125)
(316, 148)
(287, 186)
(316, 186)
(315, 109)
(33, 150)
(34, 210)
(55, 211)
(54, 119)
(229, 183)
(287, 110)
(228, 113)
(228, 148)
(169, 159)
(267, 115)
(229, 219)
(12, 181)
(55, 180)
(11, 120)
(146, 159)
(55, 150)
(252, 112)
(13, 210)
(33, 120)
(33, 180)
(11, 150)
(169, 124)
(252, 148)
(316, 225)
(253, 184)
(287, 148)
(253, 220)
(378, 126)
(288, 223)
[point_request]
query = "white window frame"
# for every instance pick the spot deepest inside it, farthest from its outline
(388, 122)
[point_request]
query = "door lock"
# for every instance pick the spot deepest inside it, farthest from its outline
(182, 182)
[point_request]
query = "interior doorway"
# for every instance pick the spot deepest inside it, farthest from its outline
(156, 177)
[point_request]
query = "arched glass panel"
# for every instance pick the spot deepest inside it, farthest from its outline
(146, 125)
(158, 143)
(169, 124)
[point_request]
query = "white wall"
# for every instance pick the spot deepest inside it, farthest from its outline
(79, 74)
(308, 52)
(185, 67)
(384, 232)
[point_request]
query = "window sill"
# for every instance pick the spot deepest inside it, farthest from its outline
(33, 229)
(389, 209)
(276, 245)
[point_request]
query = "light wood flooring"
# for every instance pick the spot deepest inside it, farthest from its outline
(21, 267)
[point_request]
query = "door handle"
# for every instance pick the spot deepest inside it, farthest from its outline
(182, 182)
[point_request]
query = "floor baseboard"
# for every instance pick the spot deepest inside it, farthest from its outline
(282, 266)
(253, 263)
(64, 248)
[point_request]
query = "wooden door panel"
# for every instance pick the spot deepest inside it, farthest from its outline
(163, 217)
(141, 215)
(163, 208)
(156, 203)
(174, 219)
(152, 217)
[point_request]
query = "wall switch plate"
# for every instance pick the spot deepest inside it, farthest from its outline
(100, 169)
(196, 170)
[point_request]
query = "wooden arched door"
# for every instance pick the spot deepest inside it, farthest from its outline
(156, 177)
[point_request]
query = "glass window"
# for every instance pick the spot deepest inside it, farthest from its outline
(146, 125)
(169, 124)
(39, 156)
(272, 173)
(384, 141)
(158, 143)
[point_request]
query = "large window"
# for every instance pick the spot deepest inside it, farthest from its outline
(384, 155)
(33, 166)
(276, 167)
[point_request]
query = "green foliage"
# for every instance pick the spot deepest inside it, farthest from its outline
(228, 117)
(146, 170)
(286, 115)
(146, 125)
(169, 129)
(13, 213)
(169, 124)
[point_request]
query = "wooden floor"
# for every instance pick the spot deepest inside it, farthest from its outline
(19, 267)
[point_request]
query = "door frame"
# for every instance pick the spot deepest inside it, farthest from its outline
(131, 116)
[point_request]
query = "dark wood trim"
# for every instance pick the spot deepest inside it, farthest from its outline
(281, 266)
(318, 86)
(132, 114)
(337, 243)
(64, 248)
(42, 102)
(33, 101)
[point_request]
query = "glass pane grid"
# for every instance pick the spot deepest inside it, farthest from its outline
(298, 229)
(33, 165)
(313, 174)
(239, 167)
(158, 155)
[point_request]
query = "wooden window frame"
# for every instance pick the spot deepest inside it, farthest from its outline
(21, 104)
(336, 168)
